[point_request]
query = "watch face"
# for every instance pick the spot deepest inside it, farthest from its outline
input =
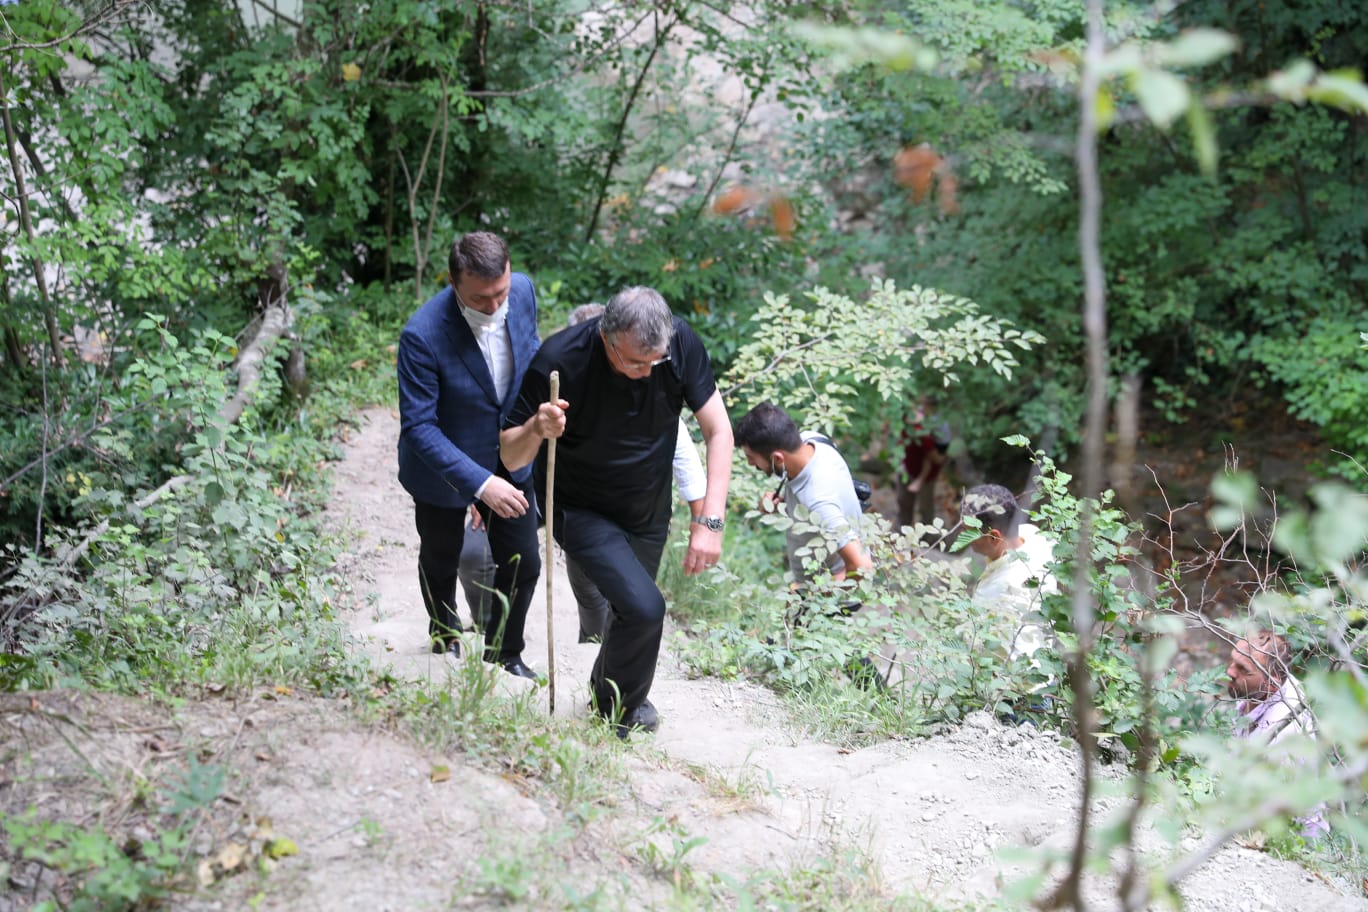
(713, 522)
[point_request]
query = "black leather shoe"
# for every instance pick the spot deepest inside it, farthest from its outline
(643, 717)
(515, 666)
(451, 647)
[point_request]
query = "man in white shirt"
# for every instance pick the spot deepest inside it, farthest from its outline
(461, 360)
(1018, 574)
(815, 478)
(819, 496)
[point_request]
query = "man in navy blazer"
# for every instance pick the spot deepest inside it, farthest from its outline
(461, 362)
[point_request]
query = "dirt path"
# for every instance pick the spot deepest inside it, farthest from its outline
(932, 812)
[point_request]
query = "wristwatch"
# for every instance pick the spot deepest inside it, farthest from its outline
(712, 523)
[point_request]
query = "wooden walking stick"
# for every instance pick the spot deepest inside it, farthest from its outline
(549, 563)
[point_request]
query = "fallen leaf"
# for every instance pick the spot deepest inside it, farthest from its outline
(439, 774)
(283, 690)
(232, 855)
(281, 848)
(358, 364)
(264, 757)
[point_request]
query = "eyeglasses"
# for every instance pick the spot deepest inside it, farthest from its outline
(636, 365)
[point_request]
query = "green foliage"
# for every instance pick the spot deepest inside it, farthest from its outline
(1214, 276)
(840, 366)
(214, 579)
(1133, 641)
(99, 870)
(104, 874)
(1324, 373)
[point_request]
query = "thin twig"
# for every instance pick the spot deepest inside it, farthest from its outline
(26, 221)
(295, 23)
(415, 183)
(1069, 892)
(42, 484)
(615, 150)
(98, 19)
(731, 151)
(72, 441)
(436, 204)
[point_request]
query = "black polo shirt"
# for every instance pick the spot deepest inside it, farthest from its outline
(616, 454)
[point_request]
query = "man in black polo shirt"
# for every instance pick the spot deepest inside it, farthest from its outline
(624, 379)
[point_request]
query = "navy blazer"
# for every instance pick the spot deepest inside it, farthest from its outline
(449, 414)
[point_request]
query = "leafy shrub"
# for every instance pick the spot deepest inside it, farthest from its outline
(216, 576)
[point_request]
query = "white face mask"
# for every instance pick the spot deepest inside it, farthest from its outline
(483, 322)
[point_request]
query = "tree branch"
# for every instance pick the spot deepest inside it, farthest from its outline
(731, 150)
(275, 322)
(294, 23)
(68, 557)
(1274, 807)
(95, 21)
(615, 151)
(1069, 892)
(414, 184)
(39, 272)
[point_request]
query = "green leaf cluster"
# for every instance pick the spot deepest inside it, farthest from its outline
(1215, 274)
(842, 365)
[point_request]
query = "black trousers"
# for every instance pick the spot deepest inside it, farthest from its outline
(517, 565)
(594, 611)
(622, 565)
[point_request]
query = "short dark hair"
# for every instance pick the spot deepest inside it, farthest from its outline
(479, 253)
(642, 314)
(994, 507)
(767, 428)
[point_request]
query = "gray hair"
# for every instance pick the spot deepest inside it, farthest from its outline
(641, 314)
(584, 313)
(1270, 653)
